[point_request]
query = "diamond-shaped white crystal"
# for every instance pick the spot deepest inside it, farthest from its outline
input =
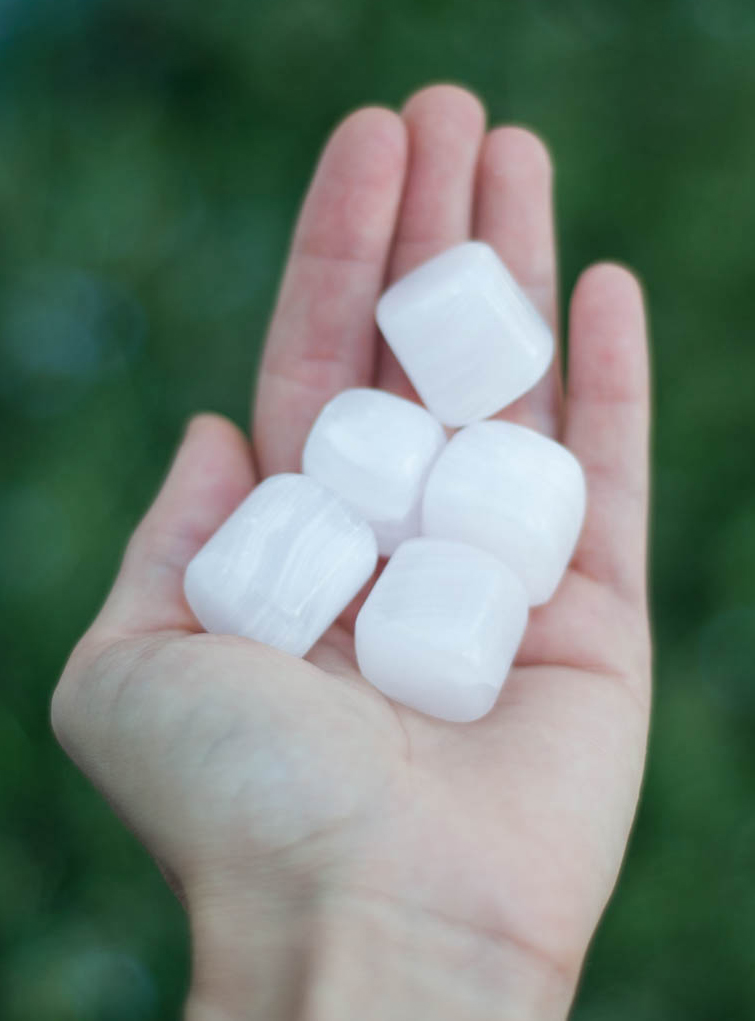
(375, 450)
(283, 566)
(514, 492)
(465, 333)
(440, 628)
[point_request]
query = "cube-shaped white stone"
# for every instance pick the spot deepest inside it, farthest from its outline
(283, 566)
(375, 450)
(465, 333)
(439, 630)
(514, 492)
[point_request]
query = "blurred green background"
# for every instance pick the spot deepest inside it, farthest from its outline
(152, 156)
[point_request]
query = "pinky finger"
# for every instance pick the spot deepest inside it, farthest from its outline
(607, 423)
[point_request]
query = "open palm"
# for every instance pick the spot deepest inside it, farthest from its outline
(244, 769)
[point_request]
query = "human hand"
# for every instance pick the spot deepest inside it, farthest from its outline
(340, 855)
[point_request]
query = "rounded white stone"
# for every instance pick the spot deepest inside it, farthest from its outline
(283, 566)
(439, 630)
(465, 333)
(375, 450)
(514, 492)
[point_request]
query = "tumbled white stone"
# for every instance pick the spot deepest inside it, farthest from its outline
(514, 492)
(283, 566)
(439, 630)
(465, 333)
(375, 450)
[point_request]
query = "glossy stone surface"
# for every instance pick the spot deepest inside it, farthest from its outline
(440, 628)
(375, 450)
(283, 566)
(514, 492)
(465, 333)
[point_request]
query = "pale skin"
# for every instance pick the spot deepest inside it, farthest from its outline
(340, 856)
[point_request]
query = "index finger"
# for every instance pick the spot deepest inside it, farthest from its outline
(322, 335)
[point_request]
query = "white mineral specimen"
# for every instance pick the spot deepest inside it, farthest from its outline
(514, 492)
(375, 450)
(283, 566)
(465, 333)
(439, 630)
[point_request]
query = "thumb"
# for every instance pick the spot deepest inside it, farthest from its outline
(211, 473)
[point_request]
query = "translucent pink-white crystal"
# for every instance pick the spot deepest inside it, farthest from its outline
(440, 628)
(511, 491)
(375, 450)
(465, 333)
(283, 566)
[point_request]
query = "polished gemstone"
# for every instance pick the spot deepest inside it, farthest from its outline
(375, 450)
(440, 628)
(513, 492)
(465, 333)
(283, 566)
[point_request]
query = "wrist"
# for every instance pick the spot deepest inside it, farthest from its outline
(314, 956)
